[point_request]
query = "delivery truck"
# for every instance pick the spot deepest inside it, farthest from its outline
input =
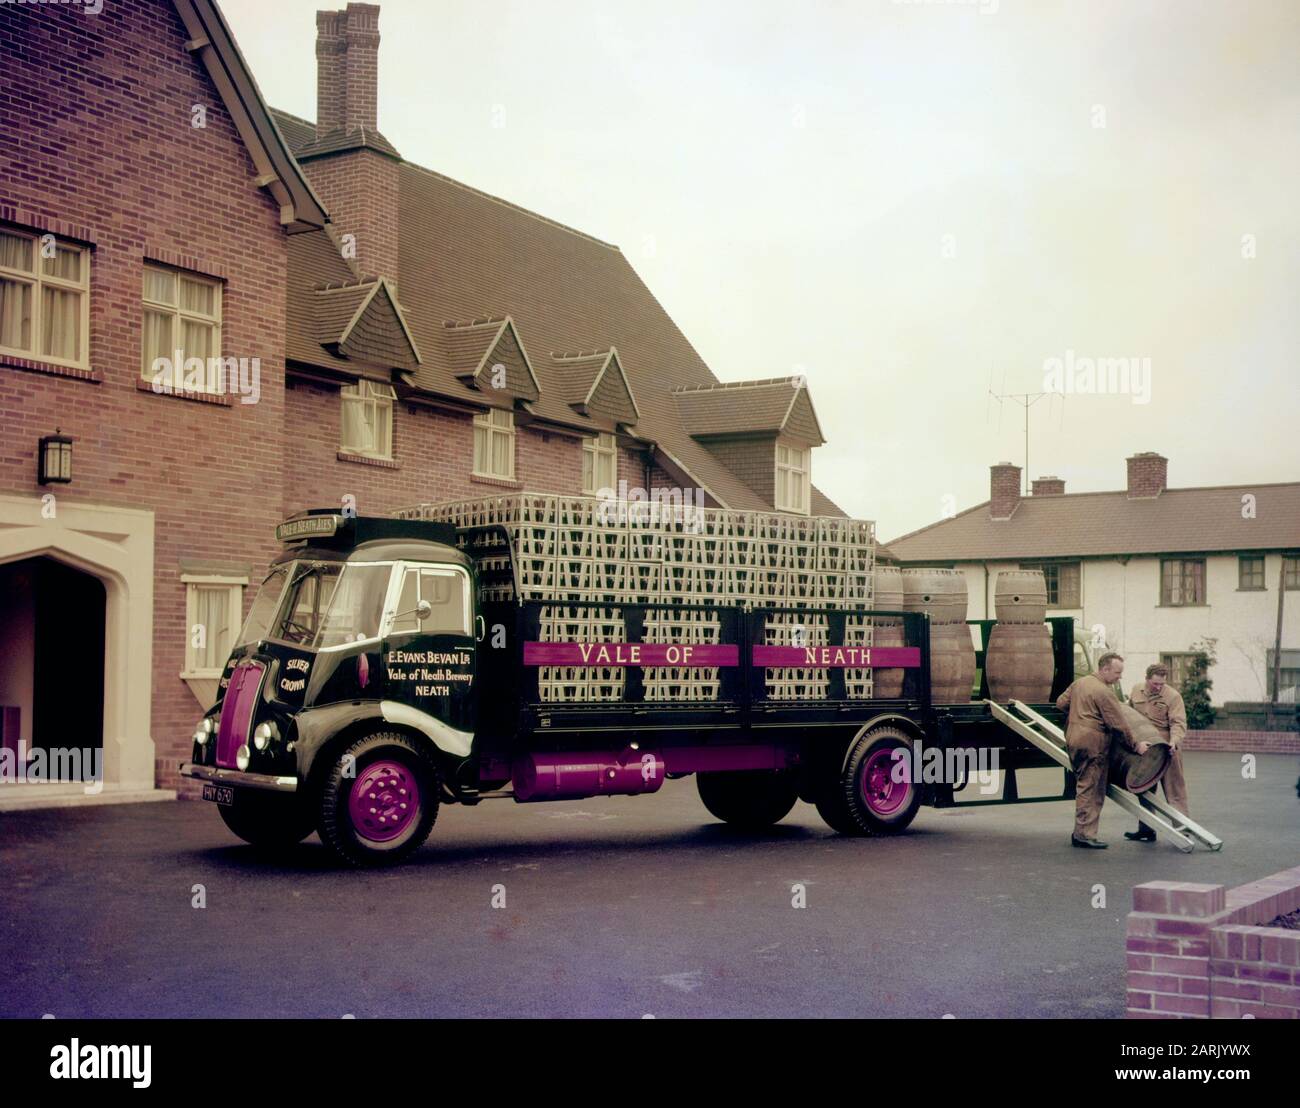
(389, 666)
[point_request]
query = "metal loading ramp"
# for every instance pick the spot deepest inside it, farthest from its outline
(1151, 809)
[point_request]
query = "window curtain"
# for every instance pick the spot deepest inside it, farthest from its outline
(60, 323)
(212, 610)
(15, 314)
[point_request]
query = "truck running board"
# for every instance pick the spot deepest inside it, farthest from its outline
(1149, 808)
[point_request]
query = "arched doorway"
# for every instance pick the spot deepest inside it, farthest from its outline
(52, 670)
(68, 542)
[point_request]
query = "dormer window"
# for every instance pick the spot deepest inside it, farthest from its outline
(793, 478)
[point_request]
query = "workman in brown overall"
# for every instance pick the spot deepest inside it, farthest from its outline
(1162, 704)
(1094, 715)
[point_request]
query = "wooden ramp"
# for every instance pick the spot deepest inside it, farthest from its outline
(1149, 808)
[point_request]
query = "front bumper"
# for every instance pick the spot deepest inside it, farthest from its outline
(264, 781)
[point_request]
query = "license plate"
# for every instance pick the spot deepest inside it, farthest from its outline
(222, 794)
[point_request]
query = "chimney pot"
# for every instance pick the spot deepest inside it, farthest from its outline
(1148, 475)
(1004, 490)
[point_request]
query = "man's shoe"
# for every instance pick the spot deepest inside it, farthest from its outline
(1091, 844)
(1141, 835)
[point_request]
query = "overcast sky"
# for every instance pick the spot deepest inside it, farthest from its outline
(908, 202)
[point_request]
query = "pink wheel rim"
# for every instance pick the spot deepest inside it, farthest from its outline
(384, 801)
(880, 792)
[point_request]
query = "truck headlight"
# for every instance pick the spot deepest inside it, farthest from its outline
(264, 735)
(203, 732)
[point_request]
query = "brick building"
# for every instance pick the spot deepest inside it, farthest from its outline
(1148, 570)
(234, 313)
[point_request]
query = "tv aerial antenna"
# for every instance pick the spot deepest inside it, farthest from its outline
(1026, 400)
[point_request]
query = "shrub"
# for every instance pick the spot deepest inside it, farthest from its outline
(1197, 685)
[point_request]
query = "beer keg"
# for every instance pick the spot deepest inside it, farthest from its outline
(1020, 596)
(952, 663)
(940, 592)
(1139, 773)
(887, 683)
(1019, 663)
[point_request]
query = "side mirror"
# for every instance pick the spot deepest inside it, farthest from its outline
(422, 611)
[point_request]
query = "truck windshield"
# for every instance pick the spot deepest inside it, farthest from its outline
(264, 606)
(331, 603)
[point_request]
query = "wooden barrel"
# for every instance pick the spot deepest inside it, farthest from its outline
(952, 663)
(887, 594)
(1139, 772)
(1020, 596)
(941, 592)
(1019, 663)
(887, 683)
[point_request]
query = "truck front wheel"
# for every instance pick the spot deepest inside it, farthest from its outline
(267, 822)
(379, 800)
(749, 799)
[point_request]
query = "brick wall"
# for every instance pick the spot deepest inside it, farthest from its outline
(95, 132)
(1198, 951)
(1247, 742)
(360, 190)
(433, 453)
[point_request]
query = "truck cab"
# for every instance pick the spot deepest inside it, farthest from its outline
(348, 698)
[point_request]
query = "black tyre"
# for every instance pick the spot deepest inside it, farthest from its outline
(267, 821)
(833, 809)
(379, 800)
(749, 799)
(872, 798)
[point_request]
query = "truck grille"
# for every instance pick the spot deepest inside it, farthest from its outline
(237, 710)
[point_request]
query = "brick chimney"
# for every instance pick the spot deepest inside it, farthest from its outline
(1148, 475)
(1004, 489)
(354, 172)
(331, 58)
(1048, 486)
(347, 69)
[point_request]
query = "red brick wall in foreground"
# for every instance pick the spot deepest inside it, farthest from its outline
(1197, 951)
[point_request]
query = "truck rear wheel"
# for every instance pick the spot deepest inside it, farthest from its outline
(864, 797)
(267, 822)
(379, 800)
(750, 799)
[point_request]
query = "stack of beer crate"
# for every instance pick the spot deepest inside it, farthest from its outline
(615, 553)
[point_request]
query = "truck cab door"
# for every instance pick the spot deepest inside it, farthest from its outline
(429, 648)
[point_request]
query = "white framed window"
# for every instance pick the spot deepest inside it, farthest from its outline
(44, 298)
(213, 609)
(182, 319)
(367, 423)
(494, 444)
(599, 463)
(793, 478)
